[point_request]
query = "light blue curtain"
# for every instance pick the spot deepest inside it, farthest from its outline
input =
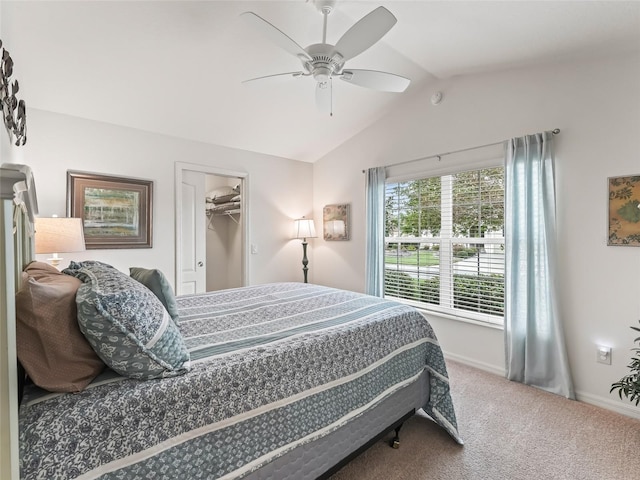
(534, 340)
(374, 261)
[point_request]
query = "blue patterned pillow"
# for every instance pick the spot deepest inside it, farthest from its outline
(126, 324)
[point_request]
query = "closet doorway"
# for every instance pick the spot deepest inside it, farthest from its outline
(211, 228)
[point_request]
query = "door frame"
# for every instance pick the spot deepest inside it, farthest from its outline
(244, 212)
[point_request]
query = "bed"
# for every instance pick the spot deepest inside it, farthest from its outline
(281, 381)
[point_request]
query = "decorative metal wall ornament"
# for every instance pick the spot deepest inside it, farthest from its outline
(13, 110)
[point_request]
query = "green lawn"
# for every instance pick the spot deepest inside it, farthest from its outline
(423, 258)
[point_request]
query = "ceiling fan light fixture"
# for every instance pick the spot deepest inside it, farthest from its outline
(322, 74)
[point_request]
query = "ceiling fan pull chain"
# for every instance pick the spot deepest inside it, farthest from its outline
(331, 93)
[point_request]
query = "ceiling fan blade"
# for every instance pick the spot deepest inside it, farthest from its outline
(367, 31)
(383, 81)
(323, 98)
(293, 74)
(275, 35)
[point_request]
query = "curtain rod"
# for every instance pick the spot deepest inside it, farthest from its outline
(555, 131)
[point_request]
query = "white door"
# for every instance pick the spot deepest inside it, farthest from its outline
(194, 230)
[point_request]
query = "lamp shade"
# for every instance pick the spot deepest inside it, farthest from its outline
(304, 228)
(59, 234)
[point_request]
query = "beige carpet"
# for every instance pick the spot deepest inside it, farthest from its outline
(511, 432)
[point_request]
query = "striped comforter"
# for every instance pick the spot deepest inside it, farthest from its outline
(274, 366)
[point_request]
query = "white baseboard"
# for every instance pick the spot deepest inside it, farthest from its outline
(603, 402)
(628, 410)
(487, 367)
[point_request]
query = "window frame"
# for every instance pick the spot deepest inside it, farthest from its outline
(449, 312)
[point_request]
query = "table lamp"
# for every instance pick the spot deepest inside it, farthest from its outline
(59, 235)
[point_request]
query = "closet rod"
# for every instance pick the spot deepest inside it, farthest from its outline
(555, 131)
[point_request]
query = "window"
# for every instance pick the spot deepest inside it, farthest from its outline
(444, 243)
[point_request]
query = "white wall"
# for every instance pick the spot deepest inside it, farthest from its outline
(597, 107)
(280, 188)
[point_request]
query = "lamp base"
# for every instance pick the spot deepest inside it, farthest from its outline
(55, 260)
(305, 261)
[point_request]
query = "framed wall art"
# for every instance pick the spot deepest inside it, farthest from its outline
(624, 211)
(336, 222)
(116, 211)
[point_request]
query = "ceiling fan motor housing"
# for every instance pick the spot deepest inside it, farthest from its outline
(325, 62)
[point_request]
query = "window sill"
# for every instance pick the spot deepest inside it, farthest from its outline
(479, 323)
(448, 316)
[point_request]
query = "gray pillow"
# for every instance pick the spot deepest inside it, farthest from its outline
(155, 281)
(126, 324)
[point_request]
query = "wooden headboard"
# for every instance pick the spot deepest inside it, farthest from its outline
(19, 205)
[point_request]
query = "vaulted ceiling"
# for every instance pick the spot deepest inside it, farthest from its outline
(177, 67)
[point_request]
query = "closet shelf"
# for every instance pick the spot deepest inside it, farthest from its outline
(227, 213)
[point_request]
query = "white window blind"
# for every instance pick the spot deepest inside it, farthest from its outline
(444, 243)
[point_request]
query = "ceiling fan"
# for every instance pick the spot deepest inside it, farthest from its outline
(324, 61)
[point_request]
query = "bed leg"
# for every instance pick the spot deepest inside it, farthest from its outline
(395, 441)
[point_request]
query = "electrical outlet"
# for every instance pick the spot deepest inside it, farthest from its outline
(603, 354)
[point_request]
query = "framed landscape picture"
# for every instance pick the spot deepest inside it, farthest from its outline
(335, 220)
(116, 211)
(624, 211)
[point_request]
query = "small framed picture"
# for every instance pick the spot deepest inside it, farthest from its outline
(116, 211)
(336, 222)
(624, 211)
